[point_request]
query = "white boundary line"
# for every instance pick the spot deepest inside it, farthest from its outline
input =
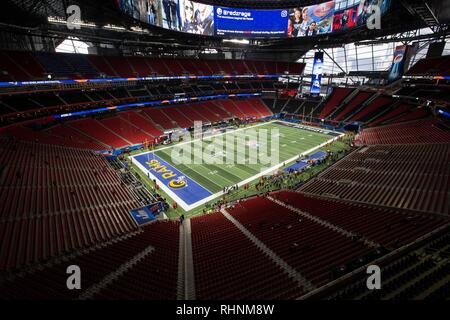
(203, 138)
(188, 207)
(166, 189)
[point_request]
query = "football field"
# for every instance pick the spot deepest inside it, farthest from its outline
(195, 172)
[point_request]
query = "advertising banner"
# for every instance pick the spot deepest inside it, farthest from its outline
(317, 73)
(398, 64)
(250, 23)
(311, 21)
(197, 18)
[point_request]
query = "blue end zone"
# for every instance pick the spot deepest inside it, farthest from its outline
(181, 185)
(298, 166)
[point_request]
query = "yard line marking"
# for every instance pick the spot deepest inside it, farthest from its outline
(267, 171)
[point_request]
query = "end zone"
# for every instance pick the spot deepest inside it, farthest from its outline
(185, 191)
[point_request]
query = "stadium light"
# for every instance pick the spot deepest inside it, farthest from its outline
(239, 41)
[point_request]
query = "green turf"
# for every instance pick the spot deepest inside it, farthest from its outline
(292, 142)
(335, 147)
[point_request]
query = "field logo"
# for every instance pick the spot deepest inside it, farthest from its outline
(248, 146)
(174, 181)
(178, 183)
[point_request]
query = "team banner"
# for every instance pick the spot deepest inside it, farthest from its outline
(317, 73)
(197, 18)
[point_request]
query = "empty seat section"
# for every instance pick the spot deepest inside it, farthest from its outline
(378, 105)
(337, 96)
(155, 276)
(73, 138)
(28, 63)
(126, 130)
(229, 266)
(175, 114)
(60, 199)
(394, 113)
(10, 71)
(419, 131)
(230, 107)
(217, 109)
(140, 120)
(310, 248)
(159, 117)
(174, 67)
(95, 129)
(355, 103)
(121, 66)
(409, 176)
(140, 66)
(389, 228)
(102, 65)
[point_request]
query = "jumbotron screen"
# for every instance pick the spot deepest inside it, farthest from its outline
(196, 18)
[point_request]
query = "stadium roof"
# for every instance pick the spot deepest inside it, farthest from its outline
(30, 17)
(262, 4)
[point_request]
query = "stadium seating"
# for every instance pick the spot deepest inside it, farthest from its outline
(261, 109)
(141, 121)
(67, 65)
(21, 66)
(337, 97)
(95, 129)
(431, 67)
(156, 275)
(56, 199)
(411, 177)
(229, 266)
(410, 132)
(153, 277)
(205, 109)
(127, 130)
(355, 103)
(158, 116)
(310, 248)
(102, 65)
(372, 109)
(232, 108)
(72, 138)
(390, 115)
(193, 115)
(390, 228)
(176, 114)
(419, 274)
